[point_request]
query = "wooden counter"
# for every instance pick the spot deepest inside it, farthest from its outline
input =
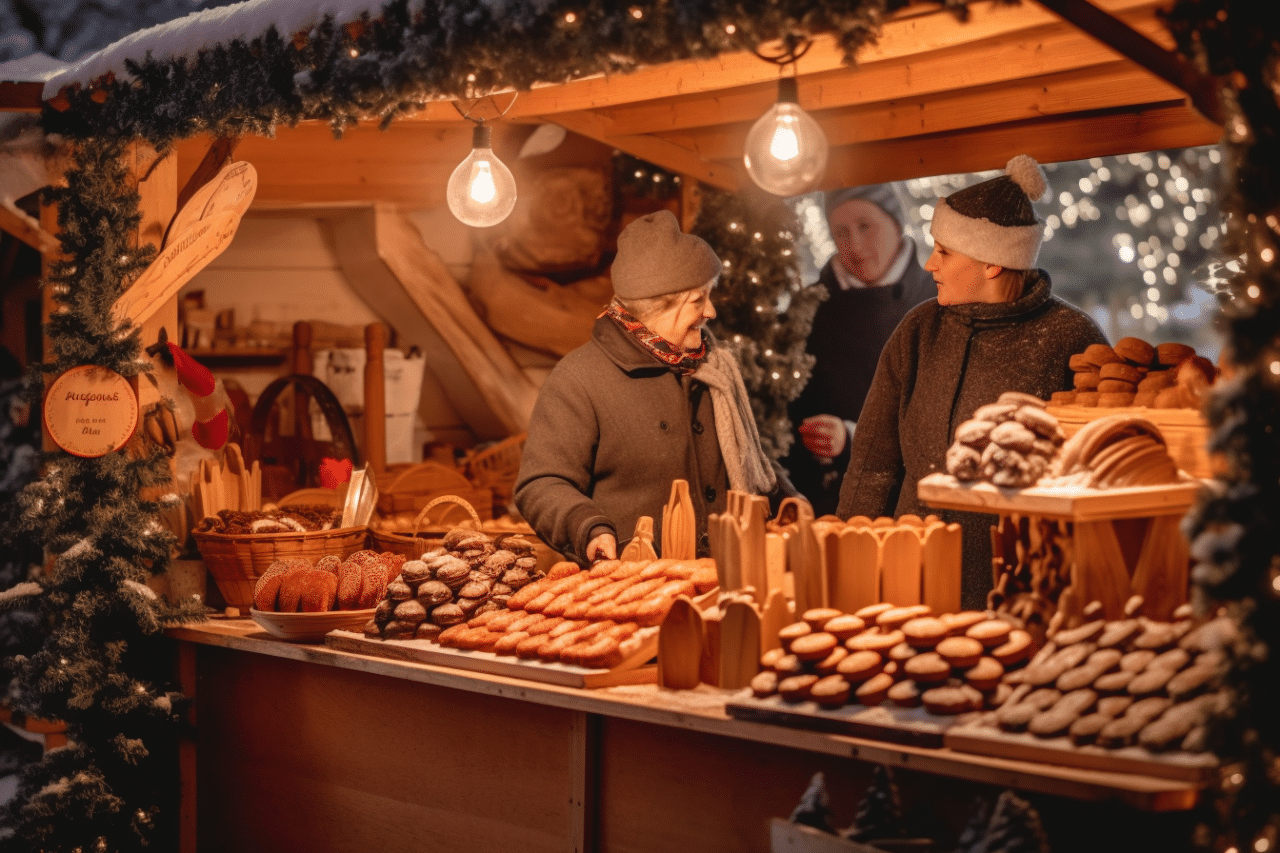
(303, 747)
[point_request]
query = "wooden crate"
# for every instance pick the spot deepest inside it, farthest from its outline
(1185, 431)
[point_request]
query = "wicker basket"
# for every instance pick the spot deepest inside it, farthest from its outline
(414, 545)
(426, 537)
(237, 560)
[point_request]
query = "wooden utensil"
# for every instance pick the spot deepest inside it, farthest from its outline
(680, 646)
(679, 524)
(739, 644)
(900, 567)
(858, 576)
(940, 568)
(774, 616)
(641, 545)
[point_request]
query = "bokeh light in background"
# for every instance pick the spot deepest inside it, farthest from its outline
(1132, 239)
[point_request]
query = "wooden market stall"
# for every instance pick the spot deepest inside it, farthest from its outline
(300, 747)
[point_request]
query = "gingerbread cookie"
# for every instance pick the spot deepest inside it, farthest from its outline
(1150, 681)
(905, 694)
(1058, 718)
(1114, 682)
(1137, 661)
(795, 688)
(860, 666)
(960, 652)
(1071, 636)
(1016, 716)
(925, 632)
(1114, 706)
(831, 691)
(813, 646)
(844, 626)
(875, 689)
(991, 633)
(764, 684)
(1085, 729)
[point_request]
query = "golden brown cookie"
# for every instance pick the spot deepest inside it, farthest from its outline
(814, 646)
(1012, 435)
(875, 640)
(925, 632)
(1062, 398)
(1123, 372)
(827, 666)
(902, 652)
(1169, 354)
(1115, 386)
(869, 613)
(1015, 716)
(1135, 351)
(985, 675)
(947, 700)
(790, 633)
(905, 694)
(1058, 718)
(927, 668)
(958, 623)
(769, 658)
(795, 688)
(860, 665)
(1020, 399)
(991, 633)
(844, 626)
(875, 689)
(831, 691)
(1071, 636)
(1085, 729)
(764, 684)
(1086, 381)
(1015, 649)
(1114, 706)
(788, 665)
(960, 652)
(892, 620)
(819, 616)
(1087, 398)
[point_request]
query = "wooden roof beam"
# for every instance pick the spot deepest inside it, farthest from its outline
(1049, 140)
(27, 229)
(1166, 64)
(1118, 84)
(1042, 50)
(653, 149)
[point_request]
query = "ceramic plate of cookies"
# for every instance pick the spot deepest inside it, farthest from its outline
(310, 627)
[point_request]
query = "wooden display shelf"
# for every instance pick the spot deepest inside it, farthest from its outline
(913, 726)
(1124, 541)
(981, 735)
(631, 671)
(238, 356)
(703, 713)
(1073, 503)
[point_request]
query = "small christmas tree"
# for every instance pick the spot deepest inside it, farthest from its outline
(879, 812)
(814, 808)
(764, 310)
(1014, 828)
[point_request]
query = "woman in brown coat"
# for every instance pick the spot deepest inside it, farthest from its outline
(648, 400)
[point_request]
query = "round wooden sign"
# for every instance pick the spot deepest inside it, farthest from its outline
(90, 411)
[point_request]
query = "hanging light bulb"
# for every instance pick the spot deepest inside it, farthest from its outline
(786, 151)
(481, 190)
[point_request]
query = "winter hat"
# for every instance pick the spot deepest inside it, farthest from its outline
(993, 222)
(881, 195)
(656, 258)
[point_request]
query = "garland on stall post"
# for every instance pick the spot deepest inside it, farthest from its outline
(1234, 541)
(104, 667)
(764, 312)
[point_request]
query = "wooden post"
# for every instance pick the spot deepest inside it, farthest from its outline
(375, 398)
(156, 180)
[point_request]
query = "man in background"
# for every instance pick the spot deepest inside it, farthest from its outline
(872, 281)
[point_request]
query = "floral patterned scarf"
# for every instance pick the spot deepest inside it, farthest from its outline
(673, 355)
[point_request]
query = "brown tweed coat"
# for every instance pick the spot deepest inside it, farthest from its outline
(939, 366)
(611, 429)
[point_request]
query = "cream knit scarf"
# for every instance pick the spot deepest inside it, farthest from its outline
(749, 469)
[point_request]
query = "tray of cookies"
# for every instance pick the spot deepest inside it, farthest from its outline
(1130, 695)
(898, 674)
(571, 627)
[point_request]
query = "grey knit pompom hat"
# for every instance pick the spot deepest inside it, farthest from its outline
(656, 258)
(994, 221)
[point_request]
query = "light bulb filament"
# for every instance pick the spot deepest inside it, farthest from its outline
(482, 186)
(785, 145)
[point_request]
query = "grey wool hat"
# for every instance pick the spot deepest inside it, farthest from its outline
(994, 222)
(656, 258)
(881, 195)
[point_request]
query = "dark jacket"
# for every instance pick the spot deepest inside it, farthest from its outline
(941, 364)
(610, 431)
(850, 329)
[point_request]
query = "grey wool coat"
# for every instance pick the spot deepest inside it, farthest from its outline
(610, 431)
(939, 366)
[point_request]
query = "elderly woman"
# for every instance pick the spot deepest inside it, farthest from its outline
(994, 327)
(648, 400)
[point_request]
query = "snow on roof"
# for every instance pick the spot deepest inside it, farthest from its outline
(187, 36)
(32, 68)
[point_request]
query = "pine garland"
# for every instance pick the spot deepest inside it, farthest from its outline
(1234, 541)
